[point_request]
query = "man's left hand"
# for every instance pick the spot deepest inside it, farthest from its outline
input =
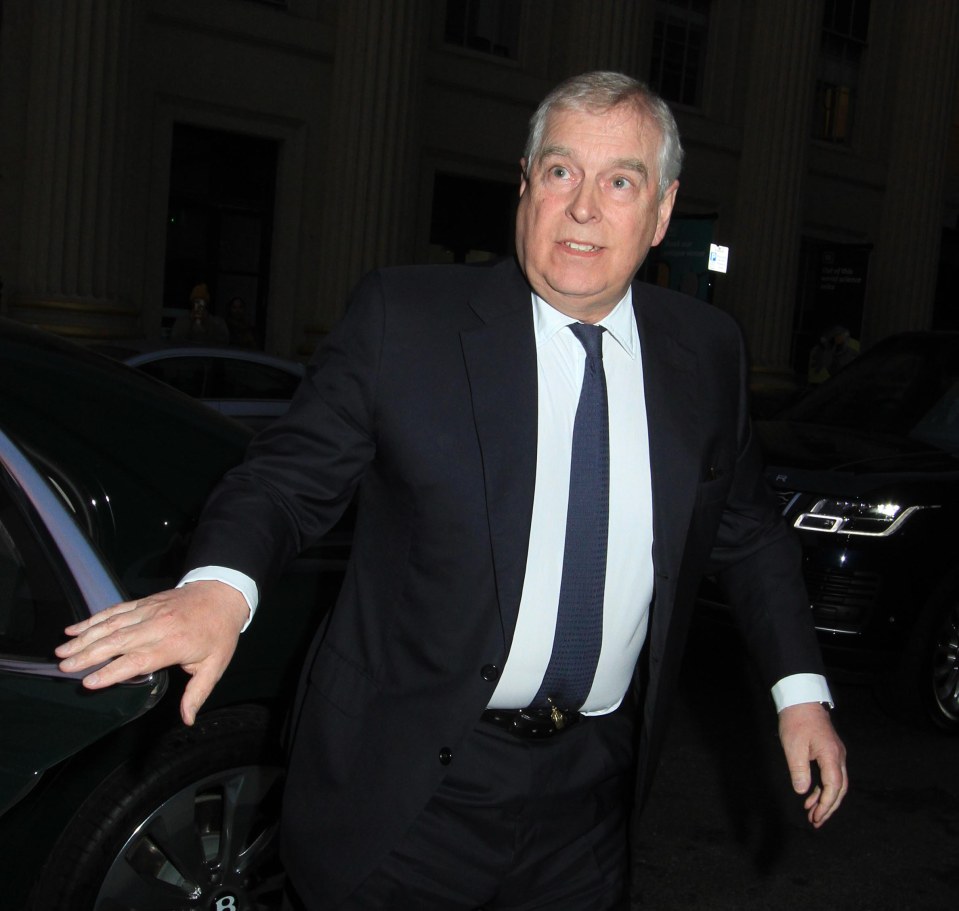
(807, 735)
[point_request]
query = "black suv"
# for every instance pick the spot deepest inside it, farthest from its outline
(866, 467)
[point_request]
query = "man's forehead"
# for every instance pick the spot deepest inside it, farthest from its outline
(630, 120)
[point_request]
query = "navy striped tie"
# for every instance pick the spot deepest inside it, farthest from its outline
(579, 620)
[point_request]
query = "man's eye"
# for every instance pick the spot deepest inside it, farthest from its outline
(621, 183)
(559, 172)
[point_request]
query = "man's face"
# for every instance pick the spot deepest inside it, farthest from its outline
(589, 208)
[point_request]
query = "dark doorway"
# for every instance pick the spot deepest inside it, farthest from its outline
(832, 289)
(220, 222)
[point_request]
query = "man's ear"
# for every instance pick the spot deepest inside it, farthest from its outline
(665, 212)
(523, 179)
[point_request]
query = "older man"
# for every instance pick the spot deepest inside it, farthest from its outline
(546, 458)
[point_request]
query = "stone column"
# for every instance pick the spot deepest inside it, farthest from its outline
(372, 171)
(903, 268)
(69, 275)
(760, 289)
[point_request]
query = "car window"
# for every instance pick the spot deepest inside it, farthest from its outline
(902, 388)
(34, 608)
(134, 459)
(940, 425)
(239, 379)
(188, 374)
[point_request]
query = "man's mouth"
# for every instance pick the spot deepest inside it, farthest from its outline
(580, 248)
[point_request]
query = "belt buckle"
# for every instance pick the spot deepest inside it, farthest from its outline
(556, 714)
(533, 723)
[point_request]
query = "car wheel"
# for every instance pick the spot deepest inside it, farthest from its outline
(943, 668)
(926, 685)
(195, 827)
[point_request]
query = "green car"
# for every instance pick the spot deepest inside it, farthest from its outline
(106, 800)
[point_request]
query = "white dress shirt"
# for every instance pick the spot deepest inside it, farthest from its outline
(561, 359)
(629, 576)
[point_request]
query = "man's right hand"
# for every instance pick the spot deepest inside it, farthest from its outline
(196, 627)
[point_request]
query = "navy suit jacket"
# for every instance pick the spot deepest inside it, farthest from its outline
(422, 403)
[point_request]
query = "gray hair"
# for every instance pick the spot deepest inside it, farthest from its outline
(601, 91)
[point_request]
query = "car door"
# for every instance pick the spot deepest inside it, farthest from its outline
(253, 392)
(50, 576)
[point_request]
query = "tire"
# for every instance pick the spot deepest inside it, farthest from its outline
(194, 825)
(927, 686)
(942, 671)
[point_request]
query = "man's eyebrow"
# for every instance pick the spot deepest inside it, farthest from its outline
(632, 164)
(628, 164)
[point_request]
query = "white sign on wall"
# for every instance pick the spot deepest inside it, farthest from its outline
(718, 258)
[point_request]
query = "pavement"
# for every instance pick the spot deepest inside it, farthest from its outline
(724, 832)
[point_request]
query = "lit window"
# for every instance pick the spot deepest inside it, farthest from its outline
(845, 27)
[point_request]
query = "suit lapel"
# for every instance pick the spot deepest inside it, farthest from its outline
(500, 359)
(669, 376)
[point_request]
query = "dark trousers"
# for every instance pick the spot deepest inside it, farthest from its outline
(517, 825)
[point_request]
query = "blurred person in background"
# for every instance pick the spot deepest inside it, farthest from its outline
(200, 326)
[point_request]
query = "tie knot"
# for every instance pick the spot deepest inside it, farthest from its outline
(590, 337)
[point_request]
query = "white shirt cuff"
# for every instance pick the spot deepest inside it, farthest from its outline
(798, 688)
(237, 580)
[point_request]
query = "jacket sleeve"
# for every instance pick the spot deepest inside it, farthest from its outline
(301, 472)
(756, 559)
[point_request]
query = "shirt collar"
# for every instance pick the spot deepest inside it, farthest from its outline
(620, 323)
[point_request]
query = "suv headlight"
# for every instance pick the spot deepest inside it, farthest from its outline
(856, 517)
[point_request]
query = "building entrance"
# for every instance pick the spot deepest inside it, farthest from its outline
(220, 225)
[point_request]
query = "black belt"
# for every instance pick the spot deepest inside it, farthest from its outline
(533, 724)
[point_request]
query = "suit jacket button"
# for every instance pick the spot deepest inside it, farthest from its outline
(446, 756)
(489, 672)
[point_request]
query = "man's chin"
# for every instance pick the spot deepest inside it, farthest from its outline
(586, 306)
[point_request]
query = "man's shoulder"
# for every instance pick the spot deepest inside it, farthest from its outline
(668, 308)
(452, 276)
(443, 296)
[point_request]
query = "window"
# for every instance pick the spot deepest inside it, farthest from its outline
(845, 28)
(220, 221)
(678, 64)
(203, 377)
(33, 607)
(238, 379)
(487, 26)
(188, 374)
(909, 389)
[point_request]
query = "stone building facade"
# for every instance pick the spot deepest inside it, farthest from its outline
(277, 149)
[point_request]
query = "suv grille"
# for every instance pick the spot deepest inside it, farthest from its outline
(841, 600)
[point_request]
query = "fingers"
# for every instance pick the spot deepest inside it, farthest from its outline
(800, 775)
(195, 627)
(812, 801)
(119, 635)
(76, 629)
(830, 756)
(196, 692)
(825, 799)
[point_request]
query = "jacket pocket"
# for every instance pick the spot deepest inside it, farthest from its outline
(341, 682)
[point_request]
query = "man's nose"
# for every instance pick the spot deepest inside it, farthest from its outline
(584, 204)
